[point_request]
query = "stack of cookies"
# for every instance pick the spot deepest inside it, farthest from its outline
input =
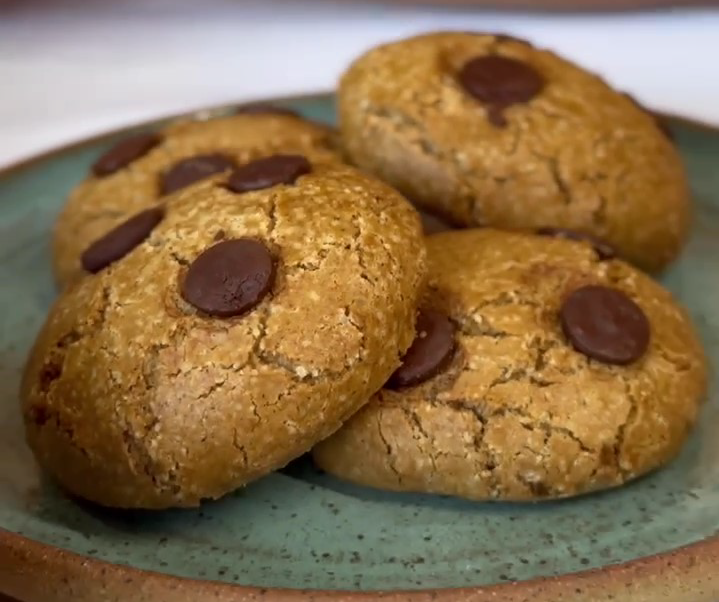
(239, 291)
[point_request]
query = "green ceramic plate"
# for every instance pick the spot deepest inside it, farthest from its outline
(303, 530)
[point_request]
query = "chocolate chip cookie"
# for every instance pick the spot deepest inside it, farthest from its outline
(489, 130)
(134, 173)
(219, 336)
(540, 370)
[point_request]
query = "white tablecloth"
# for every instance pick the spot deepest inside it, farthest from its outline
(72, 68)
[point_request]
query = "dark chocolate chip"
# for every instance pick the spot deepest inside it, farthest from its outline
(500, 81)
(605, 324)
(268, 172)
(191, 170)
(124, 153)
(264, 109)
(602, 249)
(230, 277)
(121, 240)
(430, 352)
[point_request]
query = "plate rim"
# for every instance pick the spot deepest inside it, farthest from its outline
(684, 574)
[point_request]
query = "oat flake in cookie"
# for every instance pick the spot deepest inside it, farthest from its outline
(140, 171)
(489, 130)
(569, 374)
(241, 330)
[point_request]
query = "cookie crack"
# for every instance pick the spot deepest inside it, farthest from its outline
(388, 448)
(49, 415)
(555, 173)
(413, 418)
(504, 299)
(216, 386)
(97, 321)
(402, 121)
(181, 261)
(308, 266)
(272, 217)
(52, 369)
(537, 487)
(542, 347)
(141, 460)
(507, 375)
(489, 465)
(357, 246)
(547, 427)
(149, 366)
(239, 447)
(298, 371)
(470, 327)
(622, 429)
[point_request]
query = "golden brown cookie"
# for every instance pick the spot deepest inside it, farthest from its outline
(540, 371)
(489, 130)
(224, 334)
(137, 171)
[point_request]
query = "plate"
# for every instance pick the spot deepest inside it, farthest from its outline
(300, 535)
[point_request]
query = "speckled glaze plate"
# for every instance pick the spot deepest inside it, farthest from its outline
(299, 535)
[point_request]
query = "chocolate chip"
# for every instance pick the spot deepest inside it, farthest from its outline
(124, 153)
(602, 249)
(230, 277)
(121, 240)
(264, 109)
(219, 235)
(500, 81)
(191, 170)
(605, 324)
(430, 352)
(268, 172)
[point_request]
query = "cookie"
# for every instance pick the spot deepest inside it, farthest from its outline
(489, 130)
(134, 173)
(223, 334)
(541, 371)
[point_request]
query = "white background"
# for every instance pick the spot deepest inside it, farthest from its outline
(72, 68)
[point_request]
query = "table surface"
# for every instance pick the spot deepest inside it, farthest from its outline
(73, 68)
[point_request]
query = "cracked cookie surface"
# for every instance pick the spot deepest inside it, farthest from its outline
(572, 152)
(137, 180)
(519, 414)
(134, 398)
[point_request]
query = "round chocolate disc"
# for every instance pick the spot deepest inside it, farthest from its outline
(124, 153)
(500, 81)
(430, 352)
(605, 324)
(119, 241)
(230, 277)
(268, 172)
(192, 169)
(602, 249)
